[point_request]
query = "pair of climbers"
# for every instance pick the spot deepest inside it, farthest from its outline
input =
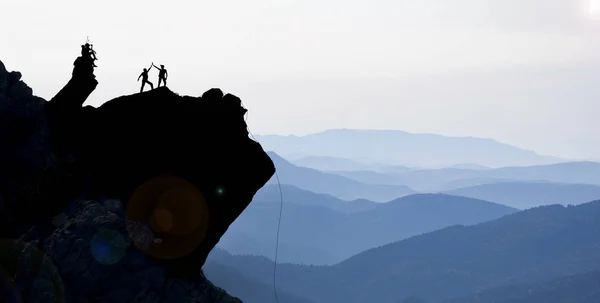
(162, 76)
(88, 53)
(84, 64)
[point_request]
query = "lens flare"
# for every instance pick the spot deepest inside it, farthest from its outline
(108, 247)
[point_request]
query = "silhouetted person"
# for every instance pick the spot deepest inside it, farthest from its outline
(88, 54)
(84, 64)
(92, 52)
(144, 76)
(162, 74)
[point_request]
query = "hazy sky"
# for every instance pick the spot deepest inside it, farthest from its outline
(524, 72)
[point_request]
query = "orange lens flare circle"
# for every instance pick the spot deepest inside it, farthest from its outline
(161, 220)
(175, 211)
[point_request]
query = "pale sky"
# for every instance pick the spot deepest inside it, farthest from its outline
(523, 72)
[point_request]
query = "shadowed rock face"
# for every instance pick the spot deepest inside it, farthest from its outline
(134, 278)
(25, 154)
(68, 153)
(131, 139)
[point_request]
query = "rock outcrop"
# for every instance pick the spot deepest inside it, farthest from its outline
(59, 157)
(25, 155)
(82, 278)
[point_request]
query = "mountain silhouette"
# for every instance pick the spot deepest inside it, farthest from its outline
(527, 247)
(470, 182)
(472, 166)
(523, 195)
(157, 150)
(250, 291)
(327, 163)
(373, 177)
(272, 193)
(572, 288)
(402, 148)
(333, 235)
(444, 179)
(290, 250)
(340, 187)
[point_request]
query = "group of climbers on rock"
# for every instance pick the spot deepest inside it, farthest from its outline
(162, 76)
(84, 65)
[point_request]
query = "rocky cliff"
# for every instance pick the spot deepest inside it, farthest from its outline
(73, 177)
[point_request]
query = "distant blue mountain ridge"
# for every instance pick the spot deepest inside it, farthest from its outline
(394, 147)
(321, 229)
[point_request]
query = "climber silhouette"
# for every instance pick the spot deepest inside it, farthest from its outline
(84, 64)
(162, 74)
(92, 51)
(144, 76)
(88, 54)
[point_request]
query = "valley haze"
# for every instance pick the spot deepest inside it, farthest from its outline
(396, 147)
